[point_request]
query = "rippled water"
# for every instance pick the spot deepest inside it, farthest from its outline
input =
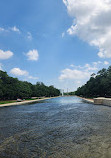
(63, 127)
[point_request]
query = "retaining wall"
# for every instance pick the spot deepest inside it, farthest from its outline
(102, 101)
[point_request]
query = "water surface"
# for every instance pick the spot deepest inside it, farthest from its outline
(64, 127)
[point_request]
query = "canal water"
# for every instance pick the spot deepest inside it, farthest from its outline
(63, 127)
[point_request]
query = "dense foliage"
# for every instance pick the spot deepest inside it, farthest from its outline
(99, 85)
(69, 93)
(12, 88)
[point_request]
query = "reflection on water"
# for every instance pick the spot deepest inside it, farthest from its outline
(63, 127)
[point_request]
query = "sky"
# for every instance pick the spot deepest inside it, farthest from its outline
(59, 43)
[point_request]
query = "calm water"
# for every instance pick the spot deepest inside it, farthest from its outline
(64, 127)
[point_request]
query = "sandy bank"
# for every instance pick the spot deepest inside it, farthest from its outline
(24, 102)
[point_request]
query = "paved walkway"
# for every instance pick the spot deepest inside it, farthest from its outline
(24, 102)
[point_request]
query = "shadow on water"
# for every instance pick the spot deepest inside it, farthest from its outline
(63, 127)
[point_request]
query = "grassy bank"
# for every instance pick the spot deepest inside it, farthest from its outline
(7, 101)
(14, 101)
(24, 102)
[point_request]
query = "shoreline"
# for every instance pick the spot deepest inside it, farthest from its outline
(37, 100)
(87, 100)
(25, 102)
(98, 101)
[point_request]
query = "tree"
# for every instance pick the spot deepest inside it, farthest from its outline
(12, 88)
(98, 85)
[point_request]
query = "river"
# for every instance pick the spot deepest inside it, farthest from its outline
(63, 127)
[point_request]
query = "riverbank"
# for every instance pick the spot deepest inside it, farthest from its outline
(102, 101)
(25, 102)
(87, 100)
(98, 101)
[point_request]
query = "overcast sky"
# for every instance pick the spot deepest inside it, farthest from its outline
(58, 42)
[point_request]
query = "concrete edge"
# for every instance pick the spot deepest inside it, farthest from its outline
(98, 101)
(24, 102)
(87, 100)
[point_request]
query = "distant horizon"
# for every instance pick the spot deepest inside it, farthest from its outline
(59, 43)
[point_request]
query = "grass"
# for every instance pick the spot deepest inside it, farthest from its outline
(7, 101)
(13, 101)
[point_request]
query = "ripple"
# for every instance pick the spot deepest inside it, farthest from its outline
(57, 128)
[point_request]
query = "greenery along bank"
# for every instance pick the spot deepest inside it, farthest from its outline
(11, 88)
(99, 85)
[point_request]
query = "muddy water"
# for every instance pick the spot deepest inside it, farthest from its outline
(64, 127)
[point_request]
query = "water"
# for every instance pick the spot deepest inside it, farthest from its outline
(63, 127)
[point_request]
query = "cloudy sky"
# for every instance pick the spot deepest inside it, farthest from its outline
(58, 42)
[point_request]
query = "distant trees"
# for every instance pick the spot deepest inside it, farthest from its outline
(71, 93)
(98, 85)
(12, 88)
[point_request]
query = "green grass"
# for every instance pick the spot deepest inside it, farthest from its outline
(13, 101)
(7, 101)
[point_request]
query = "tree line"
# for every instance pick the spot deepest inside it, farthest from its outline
(69, 93)
(99, 85)
(12, 88)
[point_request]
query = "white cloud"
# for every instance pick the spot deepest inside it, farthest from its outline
(72, 65)
(81, 72)
(106, 63)
(91, 68)
(29, 35)
(63, 34)
(33, 78)
(74, 74)
(5, 54)
(1, 66)
(72, 78)
(33, 55)
(88, 67)
(77, 75)
(15, 29)
(97, 63)
(22, 73)
(92, 23)
(18, 72)
(78, 82)
(2, 29)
